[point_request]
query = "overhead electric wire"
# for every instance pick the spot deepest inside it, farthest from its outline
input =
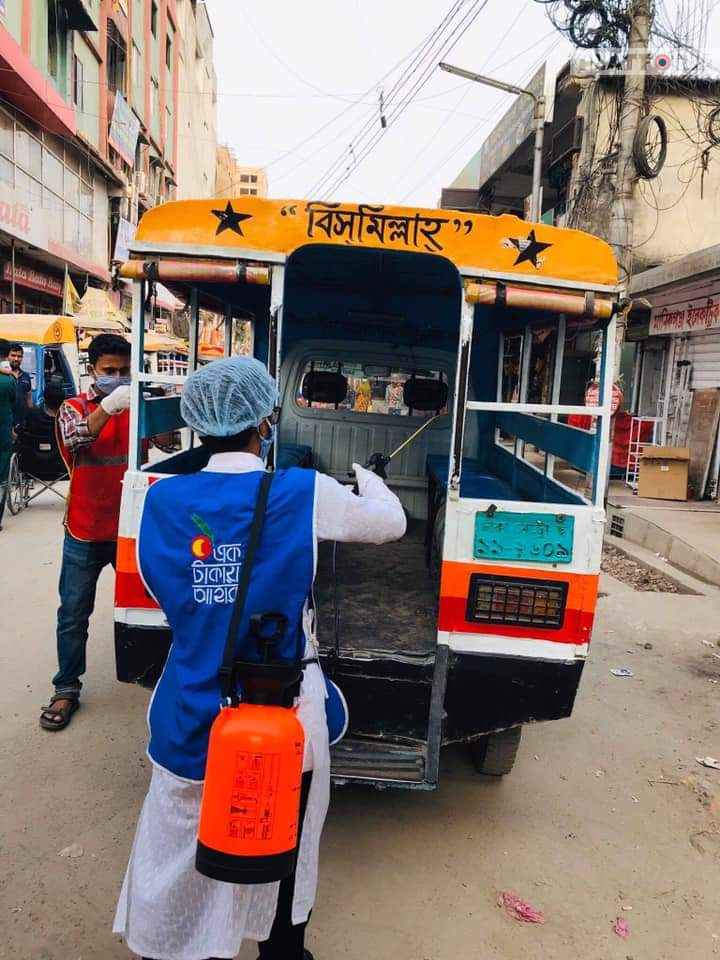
(461, 28)
(311, 136)
(420, 58)
(468, 87)
(332, 181)
(472, 133)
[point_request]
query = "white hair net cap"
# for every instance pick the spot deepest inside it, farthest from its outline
(226, 397)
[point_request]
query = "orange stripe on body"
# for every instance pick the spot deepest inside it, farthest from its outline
(129, 589)
(579, 607)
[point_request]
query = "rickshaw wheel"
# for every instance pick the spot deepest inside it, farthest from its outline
(15, 494)
(494, 755)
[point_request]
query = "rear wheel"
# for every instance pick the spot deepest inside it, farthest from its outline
(494, 755)
(15, 492)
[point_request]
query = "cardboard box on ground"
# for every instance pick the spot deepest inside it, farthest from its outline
(664, 473)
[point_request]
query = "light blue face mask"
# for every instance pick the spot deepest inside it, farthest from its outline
(106, 385)
(267, 442)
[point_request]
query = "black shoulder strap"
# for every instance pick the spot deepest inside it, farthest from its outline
(226, 670)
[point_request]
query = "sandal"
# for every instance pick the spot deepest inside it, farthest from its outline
(58, 719)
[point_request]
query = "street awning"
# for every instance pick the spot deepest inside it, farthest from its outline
(97, 312)
(153, 342)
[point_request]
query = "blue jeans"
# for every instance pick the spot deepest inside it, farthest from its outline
(82, 563)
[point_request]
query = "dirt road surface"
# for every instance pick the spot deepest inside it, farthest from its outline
(579, 829)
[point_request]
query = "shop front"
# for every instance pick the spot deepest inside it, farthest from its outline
(678, 361)
(35, 290)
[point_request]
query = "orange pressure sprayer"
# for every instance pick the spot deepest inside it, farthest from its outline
(250, 809)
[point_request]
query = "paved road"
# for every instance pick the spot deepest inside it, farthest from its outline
(578, 829)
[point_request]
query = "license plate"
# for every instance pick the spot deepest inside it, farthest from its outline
(543, 537)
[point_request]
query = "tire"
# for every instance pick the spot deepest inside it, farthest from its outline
(15, 485)
(494, 755)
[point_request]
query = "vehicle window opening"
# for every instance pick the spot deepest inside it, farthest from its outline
(370, 343)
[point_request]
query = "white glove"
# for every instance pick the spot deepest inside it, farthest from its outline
(117, 401)
(364, 478)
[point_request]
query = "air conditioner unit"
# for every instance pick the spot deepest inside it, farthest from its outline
(567, 141)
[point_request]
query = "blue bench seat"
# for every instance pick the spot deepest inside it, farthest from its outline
(294, 455)
(475, 483)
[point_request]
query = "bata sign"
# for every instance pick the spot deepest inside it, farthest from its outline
(694, 315)
(28, 277)
(21, 220)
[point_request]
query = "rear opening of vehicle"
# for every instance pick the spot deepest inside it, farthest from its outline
(368, 346)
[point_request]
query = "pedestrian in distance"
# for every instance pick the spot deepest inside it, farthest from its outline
(93, 430)
(8, 393)
(189, 528)
(23, 384)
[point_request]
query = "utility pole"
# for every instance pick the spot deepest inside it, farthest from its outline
(620, 233)
(538, 124)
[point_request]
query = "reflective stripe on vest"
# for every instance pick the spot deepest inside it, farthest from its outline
(96, 474)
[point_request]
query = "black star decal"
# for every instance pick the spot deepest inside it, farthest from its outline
(528, 249)
(230, 220)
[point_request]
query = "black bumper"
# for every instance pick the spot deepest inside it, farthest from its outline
(390, 699)
(140, 653)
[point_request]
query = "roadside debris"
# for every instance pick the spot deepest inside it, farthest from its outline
(519, 909)
(622, 672)
(709, 762)
(621, 928)
(73, 851)
(630, 571)
(670, 783)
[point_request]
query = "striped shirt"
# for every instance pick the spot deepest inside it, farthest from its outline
(75, 432)
(73, 424)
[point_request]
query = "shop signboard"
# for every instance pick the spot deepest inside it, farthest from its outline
(689, 316)
(26, 276)
(21, 219)
(124, 130)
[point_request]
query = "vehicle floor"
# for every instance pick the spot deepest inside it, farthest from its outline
(386, 597)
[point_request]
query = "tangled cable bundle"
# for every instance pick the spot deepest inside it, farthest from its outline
(592, 24)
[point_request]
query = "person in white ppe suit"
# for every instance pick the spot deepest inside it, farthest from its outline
(167, 909)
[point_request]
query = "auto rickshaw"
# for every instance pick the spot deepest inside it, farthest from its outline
(50, 349)
(437, 341)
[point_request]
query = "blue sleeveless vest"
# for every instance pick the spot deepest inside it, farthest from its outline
(192, 542)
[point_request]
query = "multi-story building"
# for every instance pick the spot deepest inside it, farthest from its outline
(197, 131)
(671, 210)
(90, 133)
(672, 346)
(232, 179)
(53, 174)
